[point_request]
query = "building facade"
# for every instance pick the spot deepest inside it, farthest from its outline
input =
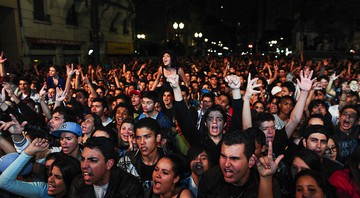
(62, 31)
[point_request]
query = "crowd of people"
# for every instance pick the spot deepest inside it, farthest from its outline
(181, 127)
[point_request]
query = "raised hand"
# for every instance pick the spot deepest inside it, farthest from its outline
(43, 92)
(305, 82)
(60, 94)
(13, 126)
(251, 84)
(37, 145)
(70, 70)
(233, 81)
(173, 79)
(2, 60)
(266, 165)
(3, 96)
(334, 76)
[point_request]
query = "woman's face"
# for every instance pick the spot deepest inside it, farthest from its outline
(88, 125)
(52, 71)
(56, 184)
(164, 178)
(306, 186)
(297, 166)
(259, 107)
(166, 59)
(331, 150)
(126, 131)
(274, 106)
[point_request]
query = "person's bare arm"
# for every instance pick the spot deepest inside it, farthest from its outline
(2, 68)
(246, 112)
(304, 84)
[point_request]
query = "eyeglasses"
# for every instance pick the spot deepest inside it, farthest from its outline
(331, 150)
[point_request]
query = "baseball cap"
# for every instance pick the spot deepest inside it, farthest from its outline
(135, 92)
(275, 90)
(315, 129)
(70, 127)
(9, 158)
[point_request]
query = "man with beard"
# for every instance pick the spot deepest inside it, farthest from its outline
(199, 164)
(100, 176)
(346, 134)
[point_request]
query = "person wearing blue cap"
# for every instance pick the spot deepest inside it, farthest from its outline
(70, 135)
(62, 171)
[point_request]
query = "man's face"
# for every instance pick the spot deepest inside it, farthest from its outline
(200, 164)
(286, 106)
(56, 121)
(319, 109)
(120, 114)
(95, 169)
(128, 75)
(281, 73)
(135, 100)
(167, 98)
(81, 98)
(147, 141)
(347, 119)
(268, 127)
(207, 103)
(319, 95)
(351, 100)
(97, 108)
(213, 81)
(234, 164)
(316, 142)
(88, 126)
(223, 102)
(24, 86)
(100, 93)
(147, 105)
(69, 143)
(215, 122)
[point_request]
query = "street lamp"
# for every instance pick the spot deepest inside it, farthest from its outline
(181, 25)
(198, 35)
(175, 26)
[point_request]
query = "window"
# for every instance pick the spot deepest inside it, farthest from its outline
(39, 11)
(71, 18)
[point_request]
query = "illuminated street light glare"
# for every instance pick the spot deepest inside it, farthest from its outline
(200, 35)
(175, 25)
(206, 40)
(196, 34)
(181, 25)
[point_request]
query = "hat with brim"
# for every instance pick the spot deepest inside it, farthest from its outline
(70, 127)
(9, 158)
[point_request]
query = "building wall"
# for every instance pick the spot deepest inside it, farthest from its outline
(51, 40)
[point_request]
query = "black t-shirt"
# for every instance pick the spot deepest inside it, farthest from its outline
(281, 141)
(146, 174)
(346, 143)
